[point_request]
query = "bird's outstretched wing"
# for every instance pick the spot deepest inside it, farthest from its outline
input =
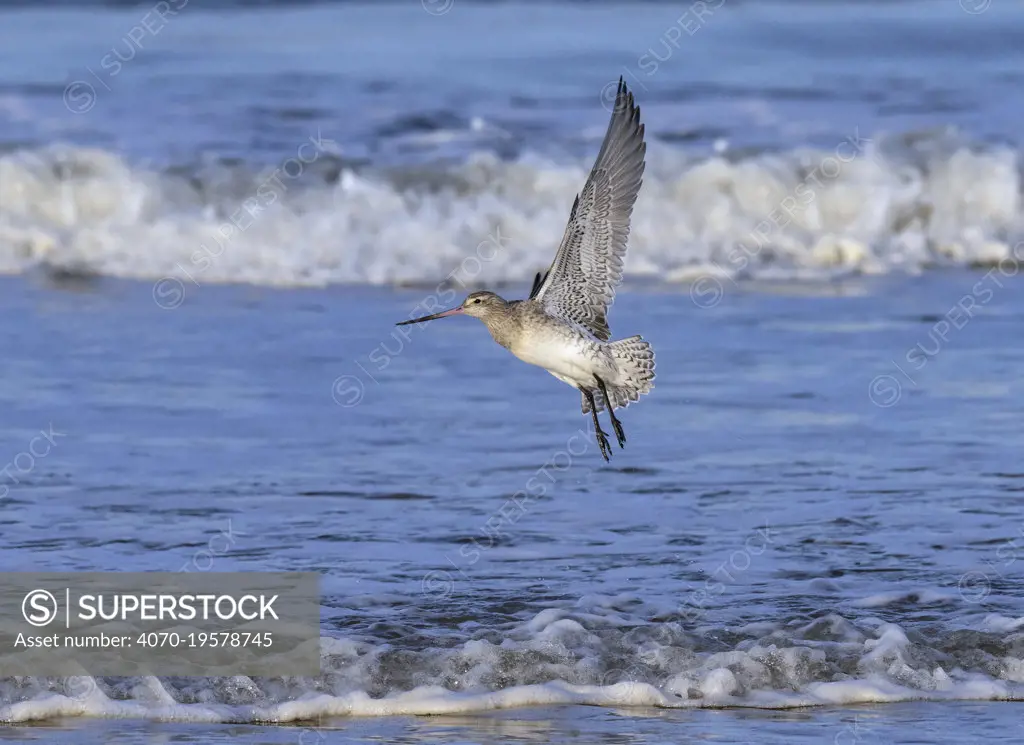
(580, 285)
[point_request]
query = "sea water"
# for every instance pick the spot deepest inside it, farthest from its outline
(814, 531)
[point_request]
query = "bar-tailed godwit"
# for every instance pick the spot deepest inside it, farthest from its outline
(563, 326)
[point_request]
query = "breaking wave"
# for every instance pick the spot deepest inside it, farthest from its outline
(595, 653)
(869, 205)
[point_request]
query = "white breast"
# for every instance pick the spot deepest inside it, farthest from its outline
(573, 361)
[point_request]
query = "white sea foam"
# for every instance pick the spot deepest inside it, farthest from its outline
(873, 206)
(903, 596)
(582, 656)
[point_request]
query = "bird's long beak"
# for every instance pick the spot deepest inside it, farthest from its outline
(442, 314)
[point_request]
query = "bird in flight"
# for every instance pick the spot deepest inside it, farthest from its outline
(563, 325)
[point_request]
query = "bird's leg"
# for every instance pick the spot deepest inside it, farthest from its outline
(620, 435)
(602, 436)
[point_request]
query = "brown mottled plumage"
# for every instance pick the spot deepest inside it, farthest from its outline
(563, 326)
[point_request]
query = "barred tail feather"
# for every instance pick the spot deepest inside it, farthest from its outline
(635, 361)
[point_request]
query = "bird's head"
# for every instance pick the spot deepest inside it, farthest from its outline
(482, 305)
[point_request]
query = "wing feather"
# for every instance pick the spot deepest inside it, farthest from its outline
(580, 285)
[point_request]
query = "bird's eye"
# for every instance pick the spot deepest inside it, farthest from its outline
(477, 300)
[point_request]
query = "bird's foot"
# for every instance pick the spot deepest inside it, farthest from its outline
(620, 434)
(602, 442)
